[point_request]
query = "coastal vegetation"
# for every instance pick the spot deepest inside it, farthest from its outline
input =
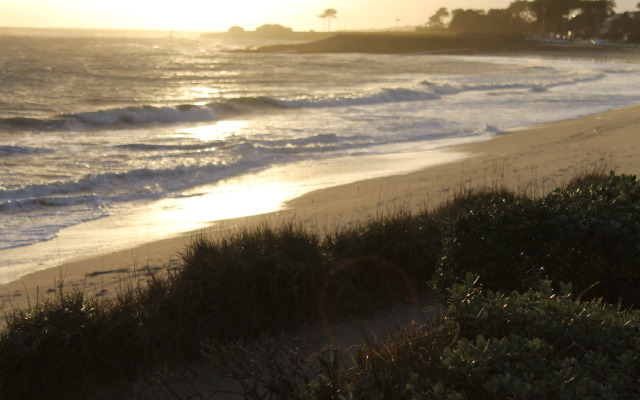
(537, 293)
(547, 20)
(446, 42)
(327, 15)
(567, 19)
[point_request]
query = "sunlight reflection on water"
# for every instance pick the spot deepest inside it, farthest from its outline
(226, 202)
(246, 195)
(219, 131)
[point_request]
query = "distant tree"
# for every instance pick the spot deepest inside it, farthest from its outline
(521, 17)
(497, 21)
(514, 20)
(435, 21)
(604, 7)
(327, 15)
(520, 10)
(467, 20)
(591, 14)
(236, 31)
(273, 31)
(552, 15)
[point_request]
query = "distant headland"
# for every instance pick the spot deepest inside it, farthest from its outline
(269, 31)
(524, 26)
(410, 42)
(427, 41)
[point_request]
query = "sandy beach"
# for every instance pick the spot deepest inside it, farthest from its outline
(533, 160)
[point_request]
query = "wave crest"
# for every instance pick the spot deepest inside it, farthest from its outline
(141, 115)
(9, 150)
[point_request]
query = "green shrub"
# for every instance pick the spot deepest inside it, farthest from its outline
(586, 235)
(534, 345)
(541, 345)
(389, 368)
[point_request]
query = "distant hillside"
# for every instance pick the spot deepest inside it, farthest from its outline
(271, 34)
(422, 43)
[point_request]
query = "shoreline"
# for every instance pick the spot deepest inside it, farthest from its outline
(532, 160)
(452, 44)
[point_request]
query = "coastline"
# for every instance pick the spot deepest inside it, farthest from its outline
(453, 44)
(533, 160)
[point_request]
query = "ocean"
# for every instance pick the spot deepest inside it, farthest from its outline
(116, 138)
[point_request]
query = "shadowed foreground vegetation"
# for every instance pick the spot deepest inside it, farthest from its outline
(540, 292)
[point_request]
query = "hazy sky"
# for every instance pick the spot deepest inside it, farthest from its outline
(218, 15)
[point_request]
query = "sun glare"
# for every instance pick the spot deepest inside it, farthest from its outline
(226, 201)
(204, 94)
(207, 15)
(218, 131)
(200, 15)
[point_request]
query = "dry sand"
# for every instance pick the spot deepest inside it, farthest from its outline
(534, 160)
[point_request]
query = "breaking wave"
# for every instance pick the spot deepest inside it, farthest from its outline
(447, 89)
(7, 151)
(149, 115)
(140, 115)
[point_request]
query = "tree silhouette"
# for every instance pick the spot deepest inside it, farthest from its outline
(435, 21)
(592, 13)
(327, 15)
(551, 14)
(468, 20)
(521, 10)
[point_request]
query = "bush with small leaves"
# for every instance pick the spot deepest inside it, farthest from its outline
(541, 344)
(536, 345)
(587, 235)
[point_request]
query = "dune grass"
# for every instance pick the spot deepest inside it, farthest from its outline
(268, 280)
(248, 284)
